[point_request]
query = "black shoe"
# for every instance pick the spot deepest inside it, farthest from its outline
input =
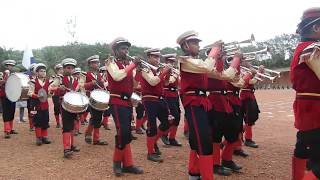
(100, 142)
(58, 126)
(13, 132)
(75, 149)
(156, 149)
(174, 142)
(7, 135)
(241, 153)
(155, 158)
(132, 170)
(143, 127)
(250, 143)
(222, 171)
(165, 140)
(88, 138)
(194, 177)
(45, 140)
(31, 129)
(231, 165)
(67, 153)
(139, 131)
(106, 127)
(117, 170)
(38, 141)
(79, 132)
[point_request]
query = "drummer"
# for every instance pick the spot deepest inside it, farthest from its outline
(66, 83)
(29, 105)
(78, 76)
(55, 98)
(38, 93)
(94, 81)
(8, 107)
(106, 113)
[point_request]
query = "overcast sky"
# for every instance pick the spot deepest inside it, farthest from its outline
(148, 23)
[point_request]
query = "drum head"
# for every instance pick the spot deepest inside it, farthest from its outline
(101, 96)
(14, 85)
(75, 99)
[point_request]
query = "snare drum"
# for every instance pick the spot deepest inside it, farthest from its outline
(99, 99)
(75, 102)
(17, 87)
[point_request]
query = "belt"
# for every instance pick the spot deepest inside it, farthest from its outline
(152, 97)
(173, 89)
(196, 93)
(308, 94)
(121, 96)
(222, 92)
(235, 93)
(250, 90)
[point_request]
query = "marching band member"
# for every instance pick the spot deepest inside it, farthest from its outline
(233, 91)
(93, 81)
(77, 75)
(55, 98)
(8, 107)
(141, 117)
(194, 84)
(106, 113)
(62, 85)
(250, 106)
(193, 73)
(121, 83)
(172, 98)
(305, 77)
(152, 84)
(30, 115)
(38, 93)
(223, 124)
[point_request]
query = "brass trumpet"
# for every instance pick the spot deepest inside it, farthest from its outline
(271, 78)
(270, 71)
(231, 46)
(173, 70)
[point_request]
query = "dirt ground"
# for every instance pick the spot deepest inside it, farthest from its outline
(20, 158)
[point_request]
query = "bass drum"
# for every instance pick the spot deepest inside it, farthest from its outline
(75, 102)
(99, 99)
(17, 87)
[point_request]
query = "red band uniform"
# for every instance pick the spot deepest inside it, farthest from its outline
(68, 118)
(94, 81)
(56, 97)
(172, 98)
(194, 84)
(38, 92)
(121, 83)
(305, 78)
(8, 107)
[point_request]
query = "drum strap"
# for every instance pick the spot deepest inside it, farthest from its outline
(70, 83)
